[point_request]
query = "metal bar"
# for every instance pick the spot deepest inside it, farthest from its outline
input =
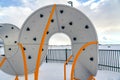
(119, 60)
(66, 54)
(115, 61)
(91, 78)
(108, 59)
(42, 43)
(46, 59)
(16, 78)
(24, 61)
(77, 56)
(65, 66)
(108, 66)
(2, 62)
(71, 3)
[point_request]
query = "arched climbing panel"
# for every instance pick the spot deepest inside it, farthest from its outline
(9, 34)
(41, 25)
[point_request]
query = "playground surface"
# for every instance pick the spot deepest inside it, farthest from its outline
(54, 71)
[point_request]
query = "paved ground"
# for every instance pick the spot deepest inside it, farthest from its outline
(54, 71)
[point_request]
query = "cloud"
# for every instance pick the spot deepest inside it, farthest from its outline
(14, 15)
(18, 14)
(104, 14)
(87, 3)
(107, 12)
(35, 4)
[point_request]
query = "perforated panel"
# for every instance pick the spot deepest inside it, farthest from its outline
(88, 60)
(9, 34)
(66, 20)
(30, 56)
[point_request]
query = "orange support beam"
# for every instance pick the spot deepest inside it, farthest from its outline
(77, 56)
(16, 78)
(76, 79)
(24, 61)
(65, 66)
(42, 43)
(3, 61)
(91, 78)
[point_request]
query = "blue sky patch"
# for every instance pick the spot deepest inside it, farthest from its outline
(96, 0)
(7, 3)
(87, 0)
(83, 0)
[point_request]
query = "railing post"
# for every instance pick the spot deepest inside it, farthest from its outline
(66, 54)
(46, 59)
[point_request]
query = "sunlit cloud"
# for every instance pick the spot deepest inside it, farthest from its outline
(104, 14)
(14, 15)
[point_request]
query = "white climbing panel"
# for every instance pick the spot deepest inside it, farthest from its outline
(9, 34)
(66, 20)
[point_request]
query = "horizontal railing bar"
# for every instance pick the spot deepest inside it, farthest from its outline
(108, 66)
(108, 59)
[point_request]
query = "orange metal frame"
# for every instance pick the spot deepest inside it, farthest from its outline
(3, 61)
(65, 66)
(16, 78)
(24, 61)
(42, 43)
(77, 56)
(40, 53)
(91, 78)
(76, 79)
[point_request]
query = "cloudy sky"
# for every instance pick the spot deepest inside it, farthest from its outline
(104, 14)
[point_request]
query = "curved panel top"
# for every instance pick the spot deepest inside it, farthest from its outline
(66, 19)
(9, 34)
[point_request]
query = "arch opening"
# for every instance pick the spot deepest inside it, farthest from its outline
(60, 39)
(60, 47)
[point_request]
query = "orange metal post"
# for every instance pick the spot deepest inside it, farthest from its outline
(42, 43)
(76, 79)
(65, 66)
(91, 78)
(24, 61)
(16, 78)
(2, 62)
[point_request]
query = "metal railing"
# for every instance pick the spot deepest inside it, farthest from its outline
(58, 55)
(108, 59)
